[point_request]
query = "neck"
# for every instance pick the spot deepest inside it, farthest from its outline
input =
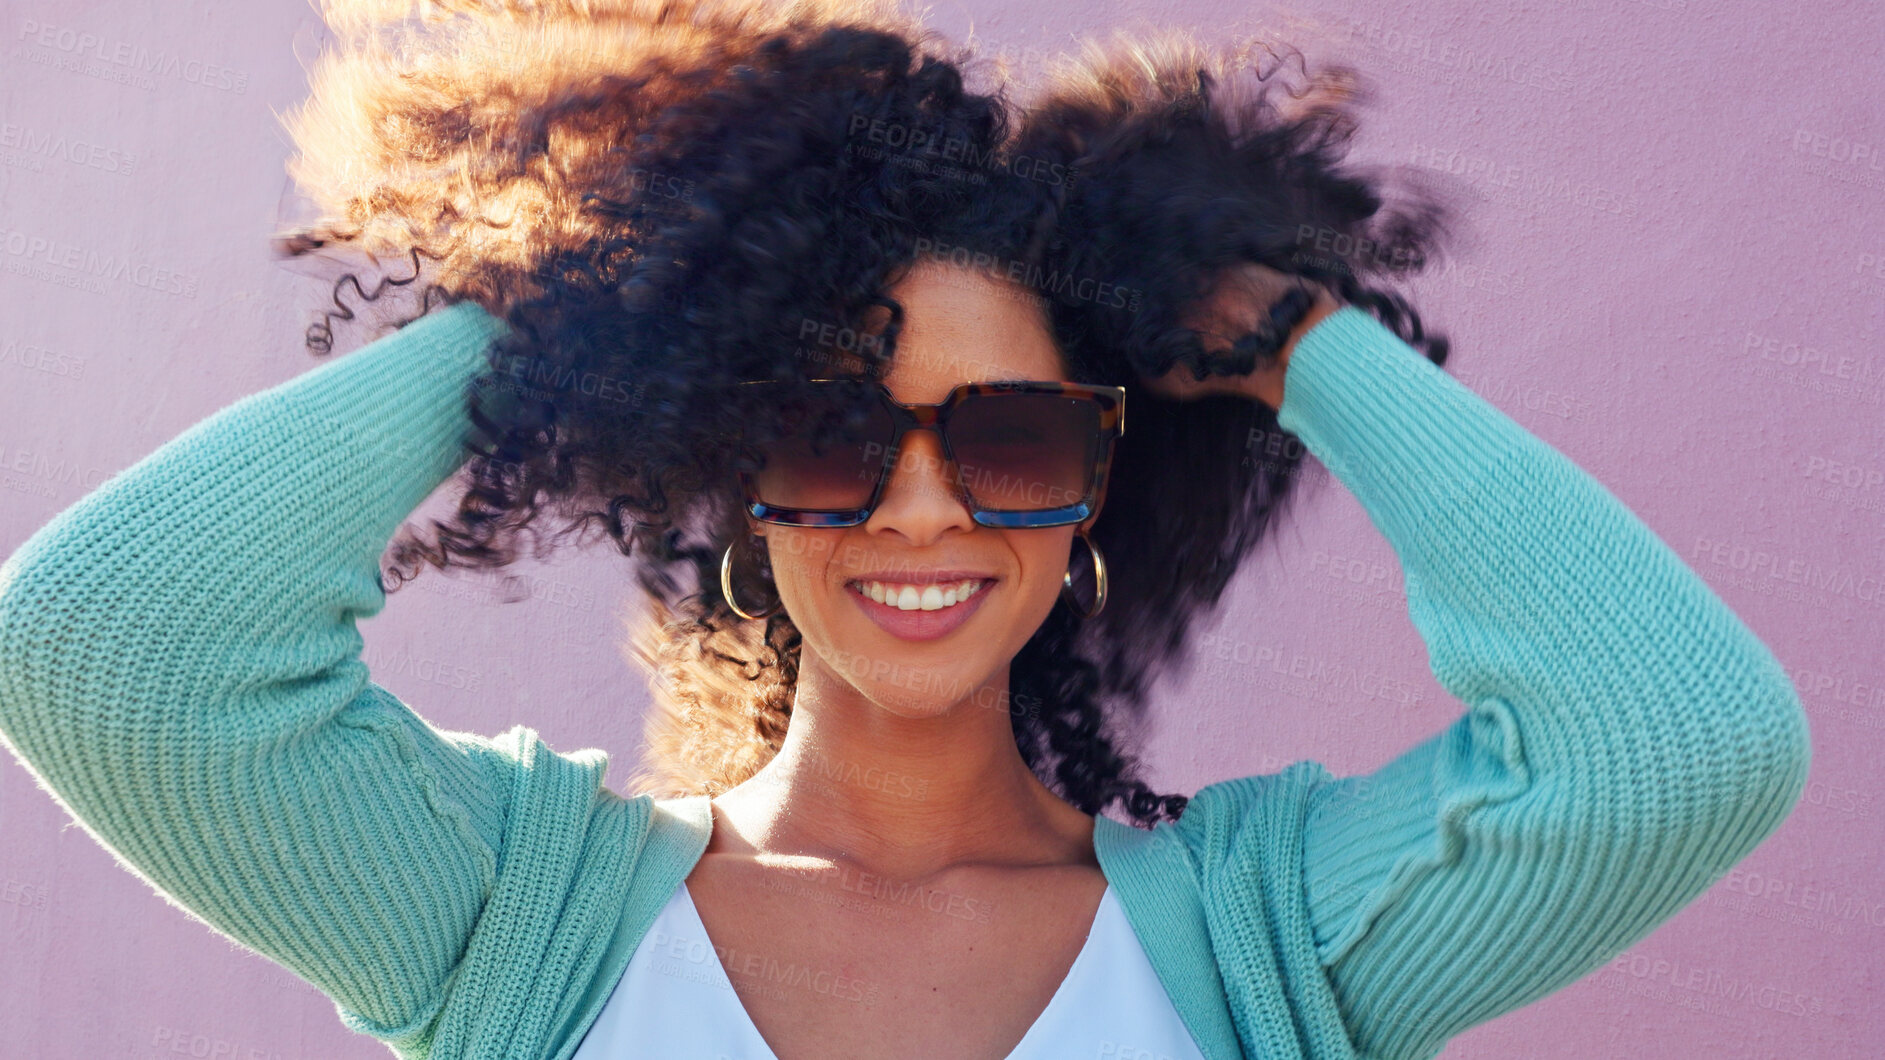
(904, 794)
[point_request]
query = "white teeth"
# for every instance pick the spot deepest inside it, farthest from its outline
(931, 597)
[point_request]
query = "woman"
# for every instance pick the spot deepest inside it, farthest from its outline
(709, 269)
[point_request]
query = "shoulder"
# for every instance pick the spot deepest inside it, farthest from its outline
(558, 816)
(1228, 878)
(1229, 819)
(1233, 835)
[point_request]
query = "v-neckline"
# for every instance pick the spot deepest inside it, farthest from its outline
(1080, 961)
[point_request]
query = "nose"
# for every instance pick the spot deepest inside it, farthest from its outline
(920, 500)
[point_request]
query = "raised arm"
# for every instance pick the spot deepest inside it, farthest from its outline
(1627, 738)
(179, 668)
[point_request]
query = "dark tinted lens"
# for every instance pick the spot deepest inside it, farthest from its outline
(822, 464)
(1025, 452)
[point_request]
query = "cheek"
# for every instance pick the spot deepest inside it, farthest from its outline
(1043, 563)
(785, 555)
(799, 560)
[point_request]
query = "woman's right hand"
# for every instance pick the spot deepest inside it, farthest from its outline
(1238, 305)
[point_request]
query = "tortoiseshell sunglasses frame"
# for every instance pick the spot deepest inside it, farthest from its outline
(1112, 426)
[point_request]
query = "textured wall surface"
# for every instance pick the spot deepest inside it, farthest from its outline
(1676, 275)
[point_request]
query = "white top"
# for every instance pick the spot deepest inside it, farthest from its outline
(674, 1000)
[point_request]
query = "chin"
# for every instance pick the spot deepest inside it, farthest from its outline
(912, 678)
(917, 691)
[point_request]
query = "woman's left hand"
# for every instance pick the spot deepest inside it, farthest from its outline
(1240, 303)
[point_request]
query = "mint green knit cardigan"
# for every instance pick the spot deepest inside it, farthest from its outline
(180, 669)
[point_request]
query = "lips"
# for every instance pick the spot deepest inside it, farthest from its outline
(918, 624)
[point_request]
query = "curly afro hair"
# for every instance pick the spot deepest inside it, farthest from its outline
(662, 197)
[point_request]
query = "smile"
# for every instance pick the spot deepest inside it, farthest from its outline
(919, 612)
(930, 597)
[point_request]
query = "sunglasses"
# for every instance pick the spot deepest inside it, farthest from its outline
(1023, 453)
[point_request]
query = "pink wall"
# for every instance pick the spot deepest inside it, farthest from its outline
(1677, 279)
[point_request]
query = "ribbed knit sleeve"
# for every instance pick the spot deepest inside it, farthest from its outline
(1626, 738)
(179, 668)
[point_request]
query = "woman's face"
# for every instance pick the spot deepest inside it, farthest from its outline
(960, 325)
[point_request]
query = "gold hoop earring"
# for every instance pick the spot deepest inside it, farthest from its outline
(1099, 580)
(726, 588)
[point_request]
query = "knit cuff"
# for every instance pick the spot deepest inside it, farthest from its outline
(1403, 435)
